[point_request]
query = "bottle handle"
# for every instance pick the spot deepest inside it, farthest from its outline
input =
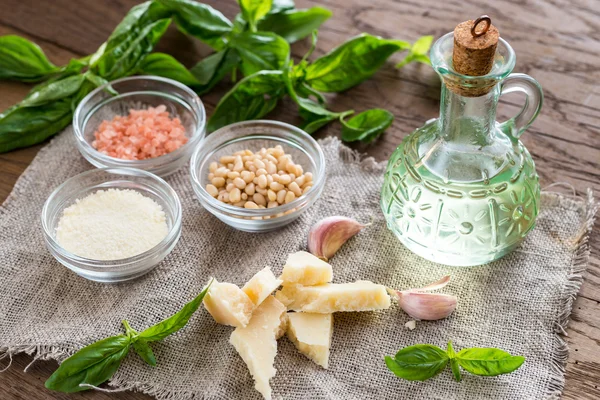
(522, 83)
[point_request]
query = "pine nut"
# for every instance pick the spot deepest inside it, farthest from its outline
(218, 182)
(271, 195)
(211, 176)
(284, 179)
(235, 195)
(233, 174)
(281, 196)
(261, 171)
(306, 189)
(272, 204)
(213, 166)
(239, 183)
(295, 189)
(259, 199)
(251, 205)
(247, 176)
(229, 187)
(289, 196)
(259, 164)
(271, 167)
(244, 196)
(227, 159)
(212, 190)
(261, 191)
(249, 189)
(276, 186)
(221, 172)
(262, 181)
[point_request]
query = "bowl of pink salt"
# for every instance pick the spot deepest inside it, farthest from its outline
(144, 122)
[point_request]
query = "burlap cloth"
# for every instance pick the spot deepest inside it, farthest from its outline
(520, 303)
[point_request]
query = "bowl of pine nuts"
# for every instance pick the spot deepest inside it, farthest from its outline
(257, 176)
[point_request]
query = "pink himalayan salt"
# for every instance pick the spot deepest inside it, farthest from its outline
(140, 135)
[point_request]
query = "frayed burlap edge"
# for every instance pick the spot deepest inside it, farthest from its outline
(575, 278)
(556, 383)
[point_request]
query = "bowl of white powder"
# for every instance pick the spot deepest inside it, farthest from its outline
(112, 224)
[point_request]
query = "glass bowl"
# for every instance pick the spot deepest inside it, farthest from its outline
(89, 182)
(254, 135)
(140, 92)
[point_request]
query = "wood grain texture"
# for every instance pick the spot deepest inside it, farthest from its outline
(556, 41)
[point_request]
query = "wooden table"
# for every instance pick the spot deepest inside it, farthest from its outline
(556, 42)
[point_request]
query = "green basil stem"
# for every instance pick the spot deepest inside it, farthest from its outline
(453, 363)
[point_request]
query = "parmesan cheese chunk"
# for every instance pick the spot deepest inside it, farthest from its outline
(257, 343)
(261, 285)
(334, 297)
(311, 334)
(228, 304)
(305, 269)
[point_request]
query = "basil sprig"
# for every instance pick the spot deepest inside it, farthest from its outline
(96, 363)
(424, 361)
(256, 44)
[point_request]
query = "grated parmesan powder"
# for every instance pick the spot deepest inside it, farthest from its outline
(111, 224)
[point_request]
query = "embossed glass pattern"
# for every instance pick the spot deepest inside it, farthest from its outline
(462, 189)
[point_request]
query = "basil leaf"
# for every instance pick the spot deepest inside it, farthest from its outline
(124, 52)
(199, 20)
(281, 5)
(142, 348)
(92, 365)
(418, 52)
(175, 322)
(141, 14)
(453, 362)
(213, 69)
(351, 63)
(367, 125)
(261, 51)
(23, 60)
(251, 98)
(293, 25)
(26, 126)
(254, 10)
(418, 363)
(54, 91)
(167, 66)
(488, 361)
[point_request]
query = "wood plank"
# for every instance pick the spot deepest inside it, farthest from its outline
(556, 41)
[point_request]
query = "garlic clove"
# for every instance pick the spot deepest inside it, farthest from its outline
(427, 306)
(328, 235)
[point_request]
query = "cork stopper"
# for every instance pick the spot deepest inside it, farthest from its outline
(475, 43)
